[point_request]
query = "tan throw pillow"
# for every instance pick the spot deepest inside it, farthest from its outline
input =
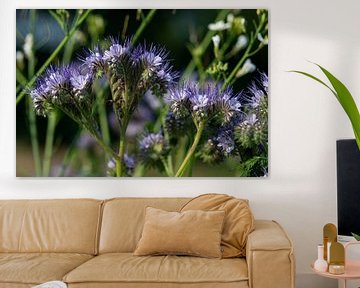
(239, 220)
(196, 233)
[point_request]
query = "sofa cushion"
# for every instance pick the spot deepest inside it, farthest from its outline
(36, 268)
(193, 232)
(126, 268)
(63, 226)
(123, 220)
(239, 220)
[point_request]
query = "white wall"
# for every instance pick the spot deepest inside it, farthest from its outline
(304, 125)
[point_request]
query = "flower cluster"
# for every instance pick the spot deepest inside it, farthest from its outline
(153, 147)
(67, 88)
(245, 134)
(219, 146)
(203, 102)
(215, 123)
(131, 72)
(252, 132)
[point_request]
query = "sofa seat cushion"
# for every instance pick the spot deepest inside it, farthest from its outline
(127, 268)
(36, 268)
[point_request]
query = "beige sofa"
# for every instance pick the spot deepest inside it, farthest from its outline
(89, 243)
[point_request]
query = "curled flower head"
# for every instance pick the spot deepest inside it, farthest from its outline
(65, 88)
(204, 102)
(93, 61)
(153, 147)
(57, 80)
(41, 97)
(155, 70)
(228, 105)
(116, 50)
(132, 71)
(256, 97)
(225, 141)
(178, 98)
(80, 80)
(203, 99)
(49, 88)
(264, 80)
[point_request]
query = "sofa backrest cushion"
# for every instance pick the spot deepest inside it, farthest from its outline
(64, 226)
(123, 220)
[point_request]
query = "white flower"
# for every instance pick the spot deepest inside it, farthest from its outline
(28, 45)
(241, 42)
(248, 67)
(219, 26)
(216, 40)
(262, 40)
(20, 59)
(230, 18)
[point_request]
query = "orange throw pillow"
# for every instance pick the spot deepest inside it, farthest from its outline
(238, 224)
(196, 233)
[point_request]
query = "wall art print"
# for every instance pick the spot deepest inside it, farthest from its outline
(142, 93)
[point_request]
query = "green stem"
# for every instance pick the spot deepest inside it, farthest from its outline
(104, 125)
(52, 56)
(34, 137)
(247, 53)
(168, 171)
(191, 151)
(120, 161)
(170, 164)
(20, 77)
(143, 25)
(51, 125)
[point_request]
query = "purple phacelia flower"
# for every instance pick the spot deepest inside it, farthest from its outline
(79, 79)
(228, 105)
(264, 79)
(93, 60)
(151, 140)
(152, 148)
(250, 119)
(225, 141)
(116, 51)
(257, 91)
(40, 96)
(204, 102)
(57, 79)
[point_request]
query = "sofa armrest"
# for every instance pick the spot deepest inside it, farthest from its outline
(269, 256)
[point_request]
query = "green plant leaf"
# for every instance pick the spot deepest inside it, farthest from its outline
(347, 102)
(344, 97)
(357, 237)
(316, 79)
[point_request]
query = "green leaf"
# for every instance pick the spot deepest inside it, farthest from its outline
(344, 97)
(357, 237)
(316, 79)
(347, 102)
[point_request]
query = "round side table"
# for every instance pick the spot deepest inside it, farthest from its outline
(352, 269)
